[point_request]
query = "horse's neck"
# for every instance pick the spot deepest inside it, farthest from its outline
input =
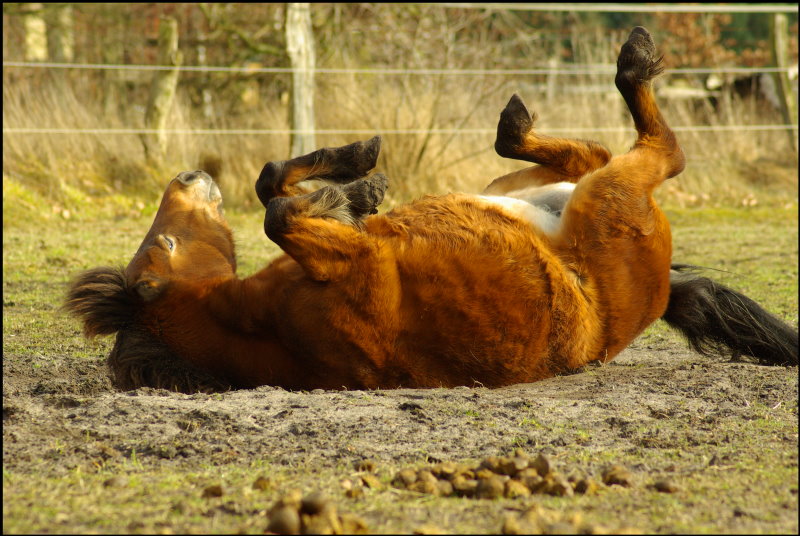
(227, 327)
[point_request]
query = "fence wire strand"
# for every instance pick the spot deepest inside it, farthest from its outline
(360, 131)
(247, 69)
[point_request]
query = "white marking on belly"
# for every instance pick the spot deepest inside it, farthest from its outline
(541, 206)
(552, 196)
(539, 217)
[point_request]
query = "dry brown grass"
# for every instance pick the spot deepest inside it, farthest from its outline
(66, 170)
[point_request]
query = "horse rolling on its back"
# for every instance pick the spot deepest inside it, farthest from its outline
(550, 268)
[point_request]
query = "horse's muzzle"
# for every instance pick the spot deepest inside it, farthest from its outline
(202, 181)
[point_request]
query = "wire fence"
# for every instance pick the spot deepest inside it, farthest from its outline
(573, 70)
(596, 69)
(576, 70)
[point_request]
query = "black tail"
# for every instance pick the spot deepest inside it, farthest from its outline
(718, 320)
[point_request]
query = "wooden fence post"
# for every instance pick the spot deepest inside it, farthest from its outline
(779, 30)
(60, 34)
(35, 33)
(162, 90)
(300, 46)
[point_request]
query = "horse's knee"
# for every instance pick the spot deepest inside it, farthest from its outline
(676, 161)
(282, 212)
(657, 159)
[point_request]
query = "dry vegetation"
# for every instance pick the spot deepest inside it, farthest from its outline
(56, 172)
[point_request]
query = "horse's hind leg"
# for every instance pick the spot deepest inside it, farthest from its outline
(613, 236)
(626, 183)
(338, 164)
(637, 65)
(559, 159)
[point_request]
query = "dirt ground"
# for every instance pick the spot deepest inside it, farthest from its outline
(661, 412)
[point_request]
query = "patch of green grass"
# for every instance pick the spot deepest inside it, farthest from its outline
(530, 421)
(25, 206)
(752, 250)
(83, 502)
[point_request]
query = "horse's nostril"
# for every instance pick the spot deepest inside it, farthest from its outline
(187, 177)
(190, 177)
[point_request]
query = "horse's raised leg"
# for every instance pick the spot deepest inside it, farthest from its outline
(637, 65)
(613, 236)
(322, 233)
(320, 230)
(337, 164)
(625, 184)
(559, 159)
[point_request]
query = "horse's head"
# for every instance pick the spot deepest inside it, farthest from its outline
(189, 238)
(189, 242)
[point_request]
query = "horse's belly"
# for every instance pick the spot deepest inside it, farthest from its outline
(474, 318)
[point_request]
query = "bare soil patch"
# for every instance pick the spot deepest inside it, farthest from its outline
(661, 413)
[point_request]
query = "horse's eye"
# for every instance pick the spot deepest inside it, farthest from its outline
(170, 242)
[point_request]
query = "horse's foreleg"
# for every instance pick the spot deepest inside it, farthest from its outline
(320, 230)
(559, 159)
(338, 164)
(354, 287)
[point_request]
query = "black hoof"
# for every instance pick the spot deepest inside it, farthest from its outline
(637, 62)
(344, 164)
(357, 159)
(515, 122)
(269, 181)
(366, 195)
(340, 165)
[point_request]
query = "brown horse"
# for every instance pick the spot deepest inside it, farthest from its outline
(553, 267)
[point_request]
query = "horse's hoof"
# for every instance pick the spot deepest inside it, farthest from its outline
(637, 62)
(366, 194)
(515, 122)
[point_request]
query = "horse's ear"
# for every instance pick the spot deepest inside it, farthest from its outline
(102, 299)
